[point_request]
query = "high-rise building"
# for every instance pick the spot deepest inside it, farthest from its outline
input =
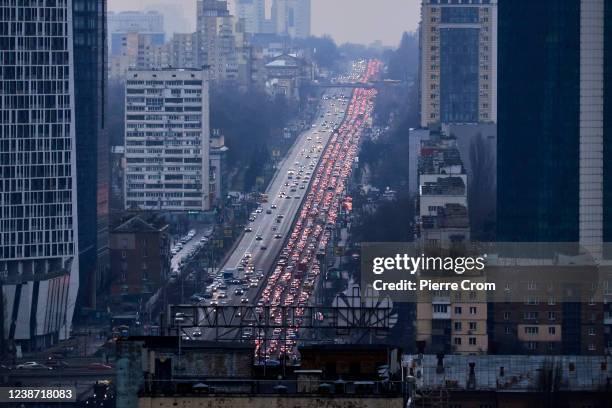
(92, 150)
(253, 14)
(119, 24)
(215, 31)
(458, 73)
(554, 122)
(39, 251)
(167, 140)
(292, 17)
(138, 51)
(183, 50)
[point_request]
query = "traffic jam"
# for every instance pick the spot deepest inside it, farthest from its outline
(295, 273)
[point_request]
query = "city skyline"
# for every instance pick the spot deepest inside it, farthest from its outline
(306, 203)
(386, 23)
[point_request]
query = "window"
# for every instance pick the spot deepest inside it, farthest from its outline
(531, 330)
(592, 347)
(532, 345)
(472, 325)
(458, 326)
(591, 331)
(457, 341)
(530, 315)
(552, 330)
(472, 341)
(440, 308)
(506, 315)
(552, 316)
(472, 310)
(457, 309)
(507, 330)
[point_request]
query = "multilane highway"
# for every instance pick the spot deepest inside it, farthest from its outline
(277, 251)
(265, 235)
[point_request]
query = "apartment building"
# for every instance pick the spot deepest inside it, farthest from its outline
(442, 217)
(167, 140)
(458, 73)
(140, 258)
(217, 45)
(448, 322)
(122, 23)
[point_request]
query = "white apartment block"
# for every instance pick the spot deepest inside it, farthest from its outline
(38, 201)
(458, 73)
(167, 135)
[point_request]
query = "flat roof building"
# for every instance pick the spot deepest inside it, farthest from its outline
(167, 135)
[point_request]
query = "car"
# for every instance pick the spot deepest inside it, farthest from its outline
(32, 365)
(258, 238)
(273, 206)
(251, 219)
(263, 247)
(197, 333)
(268, 211)
(248, 229)
(221, 295)
(239, 292)
(244, 300)
(278, 236)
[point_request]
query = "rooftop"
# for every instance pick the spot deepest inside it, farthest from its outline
(509, 372)
(139, 224)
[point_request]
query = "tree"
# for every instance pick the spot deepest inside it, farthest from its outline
(323, 50)
(252, 124)
(403, 63)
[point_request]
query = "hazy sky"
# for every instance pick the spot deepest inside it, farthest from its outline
(361, 21)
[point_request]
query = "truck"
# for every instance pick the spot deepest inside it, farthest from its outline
(229, 274)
